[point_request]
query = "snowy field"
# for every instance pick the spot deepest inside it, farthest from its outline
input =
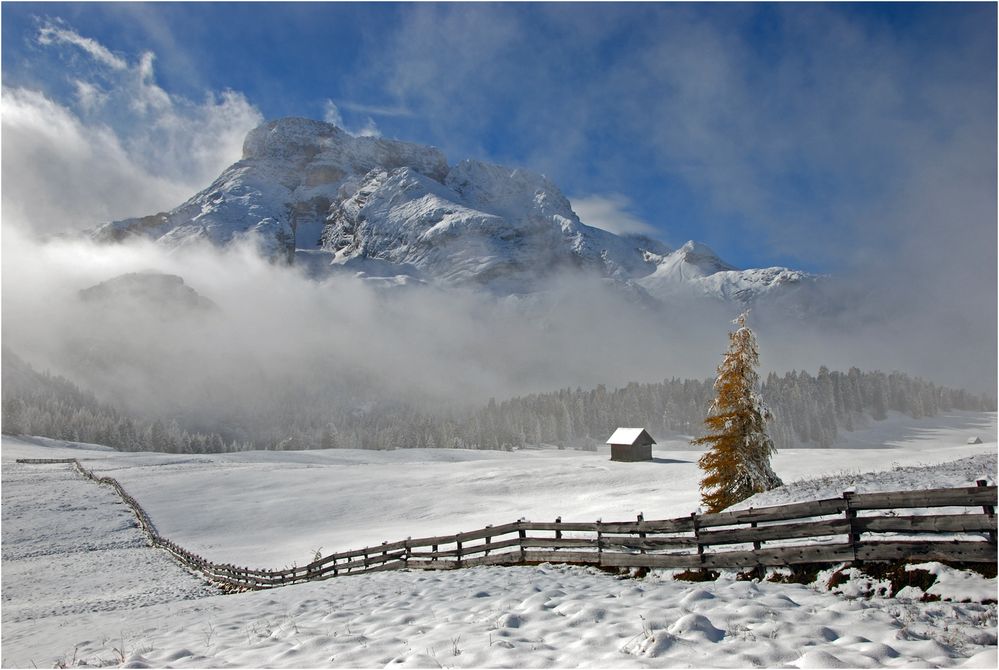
(79, 587)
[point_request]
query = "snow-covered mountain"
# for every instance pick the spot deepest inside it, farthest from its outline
(695, 269)
(309, 192)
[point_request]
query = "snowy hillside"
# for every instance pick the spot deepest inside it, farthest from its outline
(898, 478)
(80, 588)
(395, 209)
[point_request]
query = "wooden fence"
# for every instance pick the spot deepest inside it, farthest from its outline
(852, 528)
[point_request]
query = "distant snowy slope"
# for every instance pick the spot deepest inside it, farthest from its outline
(961, 472)
(395, 209)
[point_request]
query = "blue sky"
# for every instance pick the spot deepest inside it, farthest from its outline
(823, 137)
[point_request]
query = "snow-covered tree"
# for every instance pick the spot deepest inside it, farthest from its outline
(737, 462)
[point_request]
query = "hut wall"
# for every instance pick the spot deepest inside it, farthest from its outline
(628, 453)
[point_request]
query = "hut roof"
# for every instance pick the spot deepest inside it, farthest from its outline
(629, 436)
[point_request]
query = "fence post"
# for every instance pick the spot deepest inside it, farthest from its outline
(641, 534)
(408, 550)
(489, 539)
(851, 518)
(697, 537)
(458, 557)
(756, 543)
(558, 531)
(759, 572)
(434, 550)
(988, 509)
(522, 534)
(600, 543)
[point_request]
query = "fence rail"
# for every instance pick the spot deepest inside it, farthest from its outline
(833, 531)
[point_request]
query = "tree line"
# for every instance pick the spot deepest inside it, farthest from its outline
(809, 410)
(38, 403)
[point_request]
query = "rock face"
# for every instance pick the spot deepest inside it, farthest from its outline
(281, 191)
(308, 190)
(482, 224)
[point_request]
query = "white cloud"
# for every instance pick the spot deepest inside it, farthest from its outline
(331, 114)
(378, 110)
(150, 97)
(120, 146)
(59, 174)
(610, 212)
(51, 33)
(89, 96)
(370, 129)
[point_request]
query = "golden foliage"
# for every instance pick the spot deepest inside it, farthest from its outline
(737, 462)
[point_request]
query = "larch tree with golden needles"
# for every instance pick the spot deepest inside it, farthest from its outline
(737, 462)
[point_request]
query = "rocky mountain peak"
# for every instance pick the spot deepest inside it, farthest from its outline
(314, 144)
(310, 191)
(703, 258)
(290, 136)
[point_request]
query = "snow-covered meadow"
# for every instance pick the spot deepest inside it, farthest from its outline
(80, 586)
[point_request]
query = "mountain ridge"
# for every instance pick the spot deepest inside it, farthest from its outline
(308, 188)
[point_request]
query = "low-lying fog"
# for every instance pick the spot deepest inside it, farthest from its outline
(271, 331)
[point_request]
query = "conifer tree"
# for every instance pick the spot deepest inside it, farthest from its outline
(737, 462)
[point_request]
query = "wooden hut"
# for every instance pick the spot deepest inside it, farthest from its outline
(631, 444)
